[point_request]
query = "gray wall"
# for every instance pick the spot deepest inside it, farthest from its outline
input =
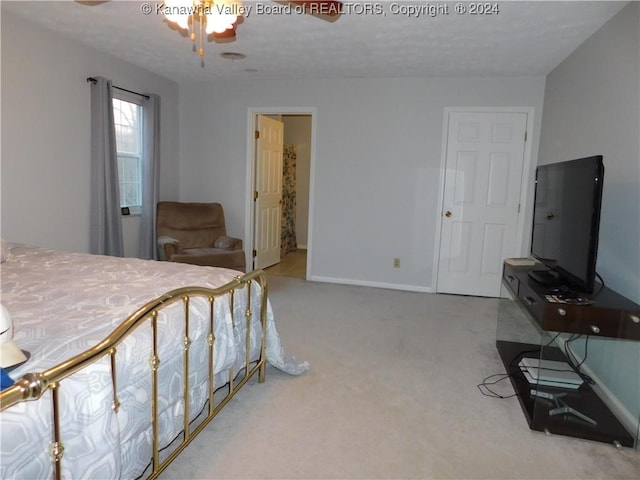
(377, 152)
(46, 135)
(592, 106)
(377, 164)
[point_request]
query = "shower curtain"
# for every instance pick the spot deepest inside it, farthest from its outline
(288, 230)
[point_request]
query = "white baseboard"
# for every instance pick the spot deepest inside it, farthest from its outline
(365, 283)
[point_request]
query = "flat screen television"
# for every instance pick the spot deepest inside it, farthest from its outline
(566, 222)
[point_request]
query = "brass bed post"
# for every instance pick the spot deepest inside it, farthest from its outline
(263, 322)
(155, 362)
(57, 448)
(187, 343)
(247, 340)
(232, 295)
(211, 340)
(116, 403)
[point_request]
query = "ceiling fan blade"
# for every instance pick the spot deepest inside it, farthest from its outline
(329, 10)
(227, 36)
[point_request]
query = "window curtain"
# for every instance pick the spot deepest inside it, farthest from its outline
(288, 242)
(106, 220)
(150, 176)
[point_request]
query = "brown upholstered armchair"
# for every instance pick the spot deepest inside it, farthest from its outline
(196, 233)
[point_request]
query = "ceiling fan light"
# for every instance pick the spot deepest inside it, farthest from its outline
(219, 23)
(221, 15)
(202, 17)
(178, 12)
(183, 22)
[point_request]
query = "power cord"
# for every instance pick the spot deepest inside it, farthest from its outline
(487, 392)
(573, 361)
(601, 285)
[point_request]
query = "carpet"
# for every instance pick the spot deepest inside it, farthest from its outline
(391, 394)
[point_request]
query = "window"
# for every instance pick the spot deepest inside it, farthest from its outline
(127, 117)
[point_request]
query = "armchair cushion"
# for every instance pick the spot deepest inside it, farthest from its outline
(226, 242)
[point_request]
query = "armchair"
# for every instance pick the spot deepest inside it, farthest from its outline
(196, 233)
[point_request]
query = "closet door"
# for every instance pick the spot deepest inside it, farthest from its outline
(481, 201)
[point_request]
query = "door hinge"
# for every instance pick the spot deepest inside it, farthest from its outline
(254, 253)
(257, 134)
(518, 208)
(255, 195)
(525, 136)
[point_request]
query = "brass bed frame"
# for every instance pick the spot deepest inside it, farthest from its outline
(32, 386)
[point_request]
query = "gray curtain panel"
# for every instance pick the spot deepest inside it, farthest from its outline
(106, 219)
(150, 176)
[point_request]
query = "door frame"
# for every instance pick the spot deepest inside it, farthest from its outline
(524, 183)
(249, 227)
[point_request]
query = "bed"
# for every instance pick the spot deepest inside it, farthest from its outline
(104, 392)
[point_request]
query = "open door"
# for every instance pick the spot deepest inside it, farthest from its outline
(268, 191)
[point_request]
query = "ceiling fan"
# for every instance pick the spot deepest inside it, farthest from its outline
(232, 11)
(217, 20)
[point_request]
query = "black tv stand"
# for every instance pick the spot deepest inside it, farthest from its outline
(528, 326)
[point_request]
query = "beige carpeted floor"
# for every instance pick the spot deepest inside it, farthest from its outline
(391, 394)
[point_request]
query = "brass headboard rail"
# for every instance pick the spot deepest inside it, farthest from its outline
(32, 386)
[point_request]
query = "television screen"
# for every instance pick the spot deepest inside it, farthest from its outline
(566, 220)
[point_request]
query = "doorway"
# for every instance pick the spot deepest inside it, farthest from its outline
(293, 264)
(296, 192)
(485, 160)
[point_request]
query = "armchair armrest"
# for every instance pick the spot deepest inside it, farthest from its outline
(226, 242)
(168, 247)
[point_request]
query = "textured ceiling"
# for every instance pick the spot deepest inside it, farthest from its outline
(522, 38)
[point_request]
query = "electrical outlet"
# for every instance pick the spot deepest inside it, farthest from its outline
(396, 263)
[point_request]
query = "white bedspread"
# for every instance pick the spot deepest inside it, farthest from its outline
(62, 304)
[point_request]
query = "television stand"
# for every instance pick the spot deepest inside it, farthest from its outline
(531, 326)
(561, 407)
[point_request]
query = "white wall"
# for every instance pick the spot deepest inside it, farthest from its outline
(377, 162)
(297, 131)
(46, 135)
(592, 106)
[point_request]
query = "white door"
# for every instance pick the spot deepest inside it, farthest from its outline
(483, 175)
(268, 191)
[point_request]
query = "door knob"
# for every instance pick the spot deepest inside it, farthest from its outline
(447, 213)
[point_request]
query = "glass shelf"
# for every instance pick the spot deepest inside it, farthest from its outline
(590, 410)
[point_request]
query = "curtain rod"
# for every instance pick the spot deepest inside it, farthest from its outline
(93, 80)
